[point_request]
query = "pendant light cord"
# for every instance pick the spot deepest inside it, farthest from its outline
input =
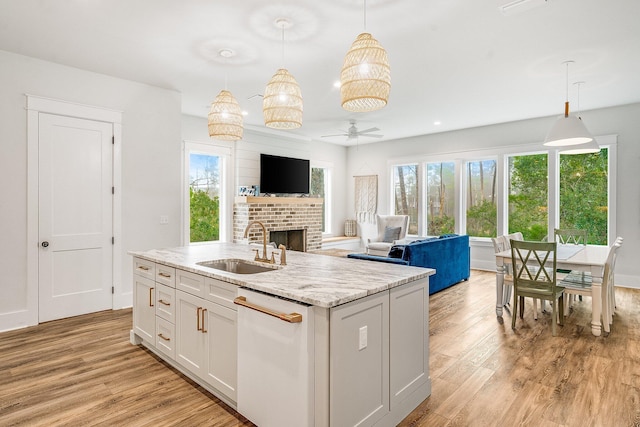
(283, 46)
(566, 102)
(578, 97)
(365, 15)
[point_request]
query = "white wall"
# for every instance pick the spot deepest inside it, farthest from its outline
(621, 120)
(280, 143)
(150, 169)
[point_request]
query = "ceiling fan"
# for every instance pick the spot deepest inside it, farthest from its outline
(353, 132)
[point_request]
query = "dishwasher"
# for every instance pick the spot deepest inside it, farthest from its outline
(275, 360)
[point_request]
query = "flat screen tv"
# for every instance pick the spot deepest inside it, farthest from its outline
(284, 175)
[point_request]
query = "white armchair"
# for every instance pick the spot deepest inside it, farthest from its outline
(391, 228)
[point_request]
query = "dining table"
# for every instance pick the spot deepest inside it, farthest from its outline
(586, 258)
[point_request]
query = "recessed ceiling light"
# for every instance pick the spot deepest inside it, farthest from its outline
(437, 123)
(336, 83)
(226, 53)
(245, 113)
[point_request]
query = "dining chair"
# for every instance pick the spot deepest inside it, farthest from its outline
(532, 279)
(570, 236)
(580, 283)
(501, 244)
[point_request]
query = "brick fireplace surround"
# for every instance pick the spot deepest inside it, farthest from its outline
(278, 214)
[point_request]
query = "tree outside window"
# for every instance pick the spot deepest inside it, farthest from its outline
(204, 197)
(318, 189)
(528, 196)
(441, 193)
(405, 184)
(584, 196)
(481, 198)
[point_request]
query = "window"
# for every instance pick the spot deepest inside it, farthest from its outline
(320, 188)
(525, 188)
(205, 217)
(441, 197)
(405, 185)
(584, 194)
(204, 197)
(481, 198)
(528, 196)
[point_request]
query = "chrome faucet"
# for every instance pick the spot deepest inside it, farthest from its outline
(264, 242)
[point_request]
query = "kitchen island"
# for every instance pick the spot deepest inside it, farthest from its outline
(357, 355)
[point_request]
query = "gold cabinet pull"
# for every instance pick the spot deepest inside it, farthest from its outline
(163, 337)
(163, 302)
(164, 274)
(198, 317)
(150, 297)
(204, 310)
(291, 318)
(143, 267)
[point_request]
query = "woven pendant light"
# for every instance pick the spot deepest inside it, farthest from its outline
(365, 80)
(282, 102)
(225, 117)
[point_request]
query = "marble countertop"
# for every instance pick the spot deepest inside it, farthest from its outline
(320, 280)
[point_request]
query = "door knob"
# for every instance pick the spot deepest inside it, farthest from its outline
(45, 244)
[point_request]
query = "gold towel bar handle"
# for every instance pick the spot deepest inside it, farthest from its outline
(291, 318)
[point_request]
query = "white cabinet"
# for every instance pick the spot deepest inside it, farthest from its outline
(153, 305)
(190, 337)
(165, 275)
(165, 319)
(206, 335)
(359, 366)
(191, 283)
(409, 341)
(165, 302)
(221, 358)
(165, 337)
(362, 363)
(144, 312)
(379, 353)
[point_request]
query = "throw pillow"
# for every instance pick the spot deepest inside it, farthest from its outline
(391, 234)
(396, 251)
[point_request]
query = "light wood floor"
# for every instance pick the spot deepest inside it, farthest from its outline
(83, 371)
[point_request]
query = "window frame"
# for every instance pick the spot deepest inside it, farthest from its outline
(224, 151)
(421, 219)
(328, 173)
(501, 155)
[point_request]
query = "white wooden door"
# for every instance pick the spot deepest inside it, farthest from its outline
(75, 216)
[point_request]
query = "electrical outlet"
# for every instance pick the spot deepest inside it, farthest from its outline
(164, 219)
(363, 338)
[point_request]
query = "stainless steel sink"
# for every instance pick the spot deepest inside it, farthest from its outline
(237, 266)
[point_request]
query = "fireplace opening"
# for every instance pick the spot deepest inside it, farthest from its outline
(293, 240)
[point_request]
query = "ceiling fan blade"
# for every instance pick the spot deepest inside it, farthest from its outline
(337, 134)
(368, 130)
(373, 135)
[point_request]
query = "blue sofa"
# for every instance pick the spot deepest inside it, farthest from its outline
(448, 254)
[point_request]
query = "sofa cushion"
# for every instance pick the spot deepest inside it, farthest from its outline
(391, 234)
(378, 258)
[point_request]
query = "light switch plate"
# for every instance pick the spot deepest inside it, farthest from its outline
(164, 219)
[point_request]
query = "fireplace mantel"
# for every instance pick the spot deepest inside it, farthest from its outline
(277, 200)
(279, 214)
